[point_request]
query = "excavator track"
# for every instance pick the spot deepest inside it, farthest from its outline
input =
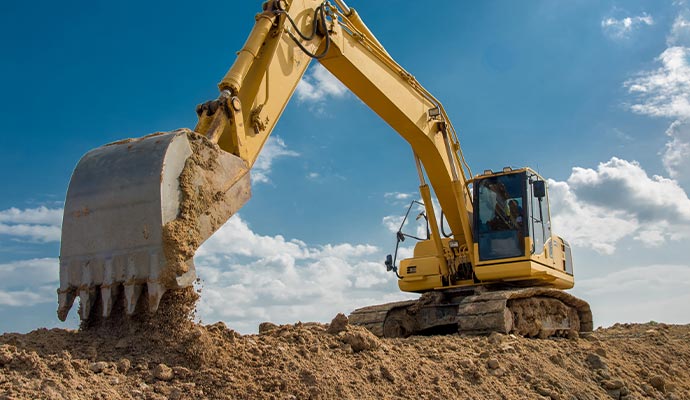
(374, 317)
(529, 312)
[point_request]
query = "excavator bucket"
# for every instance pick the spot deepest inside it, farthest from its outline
(135, 213)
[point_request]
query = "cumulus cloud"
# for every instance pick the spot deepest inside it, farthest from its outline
(28, 282)
(626, 185)
(274, 148)
(598, 208)
(318, 85)
(638, 294)
(249, 278)
(664, 92)
(587, 225)
(622, 28)
(40, 224)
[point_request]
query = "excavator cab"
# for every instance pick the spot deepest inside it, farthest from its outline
(512, 241)
(510, 207)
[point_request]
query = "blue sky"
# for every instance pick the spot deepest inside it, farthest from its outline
(593, 94)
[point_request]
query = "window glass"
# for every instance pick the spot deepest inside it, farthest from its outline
(540, 227)
(500, 216)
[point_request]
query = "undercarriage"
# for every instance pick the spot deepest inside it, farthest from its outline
(480, 310)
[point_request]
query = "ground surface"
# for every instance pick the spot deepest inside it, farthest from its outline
(154, 360)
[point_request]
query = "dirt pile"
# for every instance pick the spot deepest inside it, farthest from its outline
(337, 360)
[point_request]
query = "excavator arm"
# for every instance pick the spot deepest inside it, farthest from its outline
(286, 37)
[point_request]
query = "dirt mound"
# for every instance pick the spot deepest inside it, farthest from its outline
(321, 361)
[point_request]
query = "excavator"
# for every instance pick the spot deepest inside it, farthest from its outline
(136, 210)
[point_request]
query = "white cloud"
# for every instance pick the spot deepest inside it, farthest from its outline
(28, 282)
(40, 224)
(598, 208)
(676, 156)
(638, 294)
(680, 32)
(274, 148)
(41, 215)
(664, 92)
(249, 278)
(399, 197)
(392, 222)
(318, 85)
(622, 28)
(625, 185)
(586, 225)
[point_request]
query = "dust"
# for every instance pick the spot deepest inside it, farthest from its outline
(305, 361)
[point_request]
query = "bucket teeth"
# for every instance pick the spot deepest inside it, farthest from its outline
(65, 301)
(132, 294)
(155, 293)
(108, 296)
(86, 299)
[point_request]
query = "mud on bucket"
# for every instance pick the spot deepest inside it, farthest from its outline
(135, 213)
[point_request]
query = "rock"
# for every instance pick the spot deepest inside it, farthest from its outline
(557, 359)
(6, 355)
(163, 372)
(658, 382)
(98, 367)
(181, 372)
(600, 352)
(647, 389)
(91, 353)
(612, 385)
(595, 361)
(338, 324)
(387, 374)
(176, 394)
(266, 327)
(603, 374)
(546, 392)
(496, 338)
(493, 364)
(361, 340)
(123, 365)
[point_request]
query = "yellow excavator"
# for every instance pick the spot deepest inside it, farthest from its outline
(137, 210)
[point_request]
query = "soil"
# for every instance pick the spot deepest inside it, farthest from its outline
(169, 357)
(213, 185)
